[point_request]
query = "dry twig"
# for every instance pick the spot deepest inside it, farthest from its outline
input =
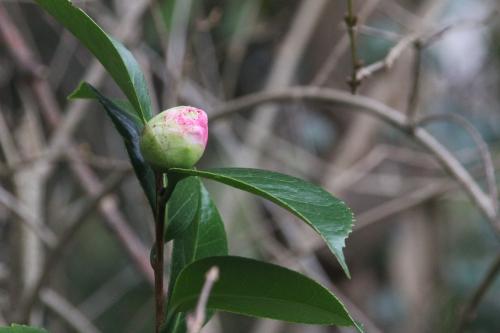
(351, 22)
(196, 320)
(477, 295)
(56, 253)
(69, 313)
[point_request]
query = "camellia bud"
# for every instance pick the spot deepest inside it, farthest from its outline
(175, 138)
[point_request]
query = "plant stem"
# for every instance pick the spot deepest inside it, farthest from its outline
(158, 259)
(351, 22)
(162, 196)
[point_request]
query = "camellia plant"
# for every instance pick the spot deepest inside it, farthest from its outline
(163, 150)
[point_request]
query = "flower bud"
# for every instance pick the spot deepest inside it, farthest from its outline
(175, 138)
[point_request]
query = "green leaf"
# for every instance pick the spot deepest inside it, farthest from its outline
(14, 328)
(129, 127)
(117, 60)
(327, 215)
(204, 237)
(259, 289)
(182, 207)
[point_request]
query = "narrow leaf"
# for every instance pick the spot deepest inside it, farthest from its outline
(204, 237)
(182, 207)
(129, 127)
(14, 328)
(259, 289)
(327, 215)
(117, 60)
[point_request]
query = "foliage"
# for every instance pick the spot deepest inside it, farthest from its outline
(246, 286)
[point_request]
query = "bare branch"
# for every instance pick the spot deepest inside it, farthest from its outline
(26, 217)
(61, 138)
(391, 57)
(411, 110)
(56, 254)
(402, 203)
(420, 41)
(484, 152)
(384, 113)
(69, 313)
(341, 47)
(461, 24)
(381, 33)
(351, 22)
(196, 320)
(477, 295)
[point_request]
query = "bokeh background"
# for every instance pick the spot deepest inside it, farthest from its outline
(421, 246)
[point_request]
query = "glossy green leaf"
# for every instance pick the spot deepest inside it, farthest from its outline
(259, 289)
(205, 237)
(14, 328)
(129, 127)
(327, 215)
(117, 60)
(182, 207)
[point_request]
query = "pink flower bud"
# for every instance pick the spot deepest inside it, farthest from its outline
(175, 138)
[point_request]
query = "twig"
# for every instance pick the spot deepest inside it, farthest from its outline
(384, 113)
(351, 21)
(484, 152)
(26, 217)
(176, 47)
(477, 295)
(113, 217)
(61, 138)
(461, 24)
(109, 293)
(376, 32)
(196, 320)
(420, 41)
(415, 87)
(69, 313)
(96, 161)
(402, 203)
(341, 46)
(386, 63)
(56, 253)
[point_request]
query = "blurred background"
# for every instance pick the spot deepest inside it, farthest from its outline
(420, 246)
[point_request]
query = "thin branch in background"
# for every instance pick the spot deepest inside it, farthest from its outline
(415, 84)
(109, 293)
(27, 218)
(484, 152)
(65, 310)
(56, 253)
(461, 24)
(401, 203)
(384, 113)
(196, 320)
(419, 41)
(388, 61)
(61, 137)
(176, 47)
(351, 21)
(341, 46)
(380, 33)
(470, 308)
